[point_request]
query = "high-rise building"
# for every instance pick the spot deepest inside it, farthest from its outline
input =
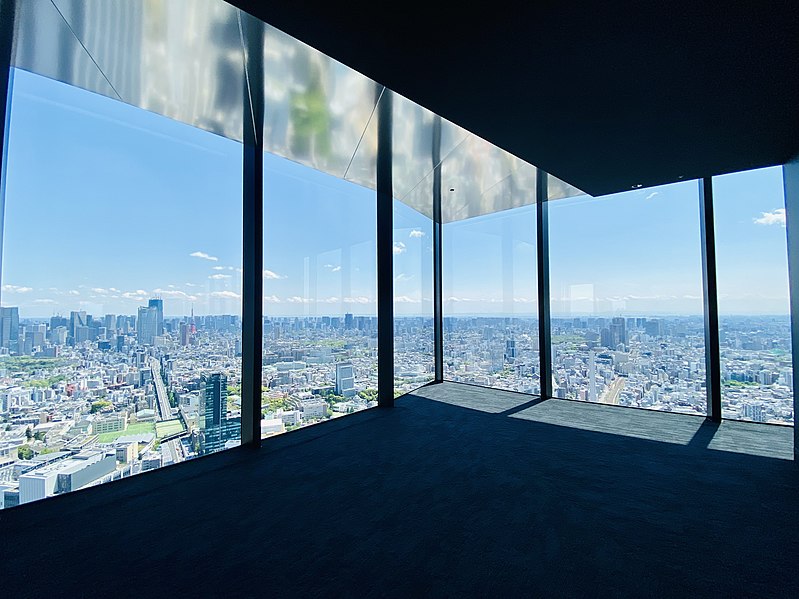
(147, 325)
(9, 328)
(158, 304)
(216, 429)
(110, 321)
(619, 329)
(510, 350)
(76, 319)
(345, 379)
(185, 333)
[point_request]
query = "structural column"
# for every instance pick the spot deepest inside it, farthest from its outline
(385, 255)
(438, 313)
(544, 327)
(710, 294)
(790, 174)
(253, 209)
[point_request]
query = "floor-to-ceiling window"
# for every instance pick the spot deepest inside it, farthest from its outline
(754, 311)
(121, 291)
(490, 289)
(319, 239)
(491, 301)
(414, 155)
(122, 244)
(626, 299)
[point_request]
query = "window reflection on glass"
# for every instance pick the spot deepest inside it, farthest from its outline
(491, 301)
(120, 330)
(320, 315)
(626, 299)
(754, 310)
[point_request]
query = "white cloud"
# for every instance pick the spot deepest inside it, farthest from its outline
(271, 299)
(404, 299)
(73, 292)
(138, 295)
(399, 247)
(652, 195)
(113, 289)
(296, 299)
(775, 217)
(17, 289)
(218, 267)
(44, 301)
(219, 277)
(226, 295)
(191, 285)
(204, 256)
(416, 233)
(270, 274)
(175, 294)
(402, 277)
(99, 290)
(336, 269)
(360, 299)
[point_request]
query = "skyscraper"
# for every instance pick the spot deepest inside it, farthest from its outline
(9, 328)
(215, 427)
(147, 325)
(345, 379)
(77, 319)
(158, 304)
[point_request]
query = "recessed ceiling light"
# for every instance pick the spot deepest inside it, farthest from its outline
(637, 186)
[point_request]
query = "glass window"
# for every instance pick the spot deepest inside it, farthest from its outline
(320, 319)
(626, 299)
(754, 310)
(320, 232)
(413, 156)
(491, 300)
(120, 325)
(413, 298)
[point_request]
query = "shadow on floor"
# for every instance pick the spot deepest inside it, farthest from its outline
(426, 499)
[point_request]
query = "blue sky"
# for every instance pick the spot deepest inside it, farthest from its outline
(108, 205)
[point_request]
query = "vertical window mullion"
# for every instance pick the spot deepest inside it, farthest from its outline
(544, 324)
(253, 211)
(710, 296)
(385, 257)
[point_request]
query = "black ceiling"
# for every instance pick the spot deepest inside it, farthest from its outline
(605, 97)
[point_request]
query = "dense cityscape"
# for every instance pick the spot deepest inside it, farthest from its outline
(85, 400)
(654, 363)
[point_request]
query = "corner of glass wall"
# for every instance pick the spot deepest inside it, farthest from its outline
(753, 296)
(319, 238)
(627, 319)
(490, 283)
(120, 328)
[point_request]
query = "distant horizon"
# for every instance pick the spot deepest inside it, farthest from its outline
(428, 316)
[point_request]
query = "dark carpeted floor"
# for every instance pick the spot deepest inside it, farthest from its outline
(457, 491)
